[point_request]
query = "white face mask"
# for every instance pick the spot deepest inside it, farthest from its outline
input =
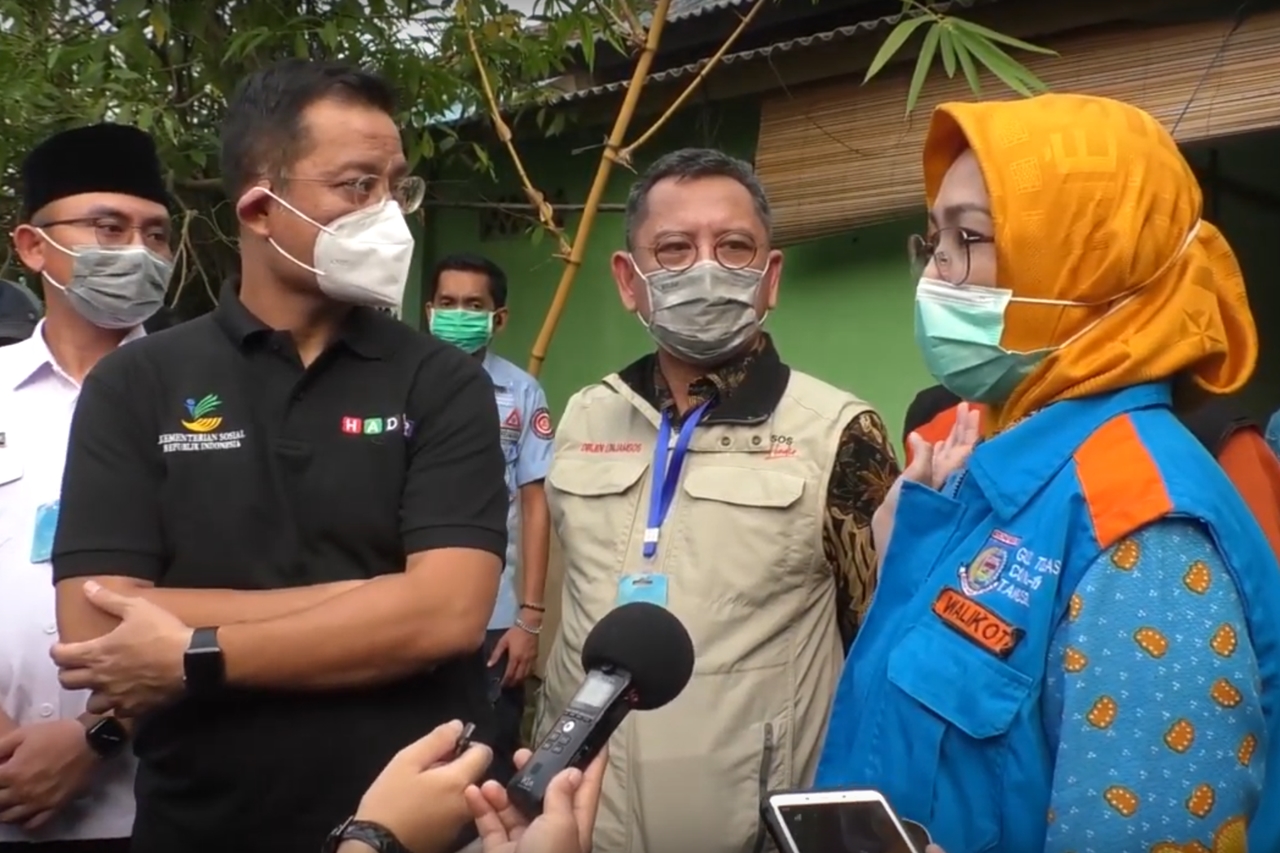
(362, 258)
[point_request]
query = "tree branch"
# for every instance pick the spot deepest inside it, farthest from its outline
(545, 213)
(633, 21)
(630, 27)
(598, 186)
(199, 184)
(624, 156)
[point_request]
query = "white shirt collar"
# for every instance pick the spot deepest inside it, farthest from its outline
(23, 360)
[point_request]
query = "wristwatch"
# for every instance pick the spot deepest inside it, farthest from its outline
(107, 737)
(203, 668)
(374, 835)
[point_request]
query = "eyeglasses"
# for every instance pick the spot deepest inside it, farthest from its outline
(947, 249)
(677, 253)
(114, 232)
(406, 192)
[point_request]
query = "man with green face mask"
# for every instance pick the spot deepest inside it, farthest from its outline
(467, 305)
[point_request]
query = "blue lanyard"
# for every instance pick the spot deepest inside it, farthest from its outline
(666, 474)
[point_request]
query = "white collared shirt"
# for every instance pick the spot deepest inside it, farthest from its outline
(36, 402)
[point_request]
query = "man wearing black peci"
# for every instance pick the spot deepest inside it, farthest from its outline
(283, 523)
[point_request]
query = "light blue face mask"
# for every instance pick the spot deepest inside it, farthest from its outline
(958, 329)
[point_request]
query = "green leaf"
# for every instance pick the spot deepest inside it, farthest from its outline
(159, 23)
(991, 35)
(894, 43)
(556, 125)
(1009, 71)
(927, 50)
(329, 34)
(966, 63)
(948, 50)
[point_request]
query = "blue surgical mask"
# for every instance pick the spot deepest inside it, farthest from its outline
(958, 329)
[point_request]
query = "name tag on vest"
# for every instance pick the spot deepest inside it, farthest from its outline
(980, 625)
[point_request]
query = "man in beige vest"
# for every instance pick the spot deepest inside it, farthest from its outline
(752, 525)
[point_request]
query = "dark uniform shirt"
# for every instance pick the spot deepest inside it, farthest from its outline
(207, 456)
(746, 390)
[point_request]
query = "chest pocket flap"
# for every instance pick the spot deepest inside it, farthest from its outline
(744, 486)
(591, 478)
(982, 703)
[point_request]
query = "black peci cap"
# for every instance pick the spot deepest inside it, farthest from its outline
(100, 158)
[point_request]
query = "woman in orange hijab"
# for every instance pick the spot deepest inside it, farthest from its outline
(1074, 645)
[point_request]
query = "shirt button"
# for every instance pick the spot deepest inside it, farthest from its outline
(46, 710)
(726, 441)
(51, 629)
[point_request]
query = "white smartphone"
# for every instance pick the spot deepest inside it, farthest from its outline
(841, 822)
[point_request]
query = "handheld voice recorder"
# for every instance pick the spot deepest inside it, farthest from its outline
(594, 713)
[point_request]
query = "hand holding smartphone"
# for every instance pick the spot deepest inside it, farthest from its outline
(840, 822)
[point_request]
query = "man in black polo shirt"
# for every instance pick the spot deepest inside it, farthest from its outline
(312, 486)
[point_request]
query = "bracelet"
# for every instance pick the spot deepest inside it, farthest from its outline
(527, 628)
(536, 608)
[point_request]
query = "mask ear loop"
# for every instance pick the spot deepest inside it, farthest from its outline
(1120, 300)
(259, 190)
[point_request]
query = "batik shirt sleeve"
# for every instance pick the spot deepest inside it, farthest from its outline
(1152, 701)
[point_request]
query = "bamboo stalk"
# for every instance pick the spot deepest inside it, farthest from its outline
(610, 156)
(546, 216)
(624, 156)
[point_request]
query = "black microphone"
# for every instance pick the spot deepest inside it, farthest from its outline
(638, 657)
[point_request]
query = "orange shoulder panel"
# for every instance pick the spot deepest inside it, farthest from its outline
(1121, 484)
(1255, 471)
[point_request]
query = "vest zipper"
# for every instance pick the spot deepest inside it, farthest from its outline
(766, 762)
(955, 490)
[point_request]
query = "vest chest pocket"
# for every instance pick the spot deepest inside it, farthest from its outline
(740, 530)
(946, 725)
(593, 505)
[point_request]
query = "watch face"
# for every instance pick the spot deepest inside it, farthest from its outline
(107, 737)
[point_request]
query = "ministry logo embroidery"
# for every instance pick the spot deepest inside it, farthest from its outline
(202, 414)
(201, 424)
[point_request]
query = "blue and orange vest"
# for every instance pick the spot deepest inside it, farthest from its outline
(939, 705)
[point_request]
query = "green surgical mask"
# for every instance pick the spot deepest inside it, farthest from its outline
(469, 331)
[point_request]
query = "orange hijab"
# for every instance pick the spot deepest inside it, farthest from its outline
(1093, 203)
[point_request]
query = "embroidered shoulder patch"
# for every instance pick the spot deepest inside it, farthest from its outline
(979, 624)
(541, 424)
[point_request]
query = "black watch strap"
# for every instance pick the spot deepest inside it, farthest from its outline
(203, 667)
(374, 835)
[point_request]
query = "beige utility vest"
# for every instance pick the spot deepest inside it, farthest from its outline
(742, 551)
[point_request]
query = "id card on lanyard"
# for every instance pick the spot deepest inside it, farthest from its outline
(668, 462)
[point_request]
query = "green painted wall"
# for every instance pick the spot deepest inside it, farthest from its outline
(845, 309)
(844, 313)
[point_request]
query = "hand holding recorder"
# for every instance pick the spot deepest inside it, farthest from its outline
(638, 657)
(568, 816)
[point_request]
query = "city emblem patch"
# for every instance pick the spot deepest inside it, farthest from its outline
(983, 572)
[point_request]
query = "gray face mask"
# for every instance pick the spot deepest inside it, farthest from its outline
(115, 288)
(705, 314)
